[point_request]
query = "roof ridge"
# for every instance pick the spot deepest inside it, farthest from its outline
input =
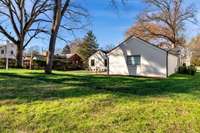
(128, 38)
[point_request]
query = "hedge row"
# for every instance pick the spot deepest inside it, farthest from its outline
(190, 70)
(37, 64)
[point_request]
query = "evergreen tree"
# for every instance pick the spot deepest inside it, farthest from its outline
(66, 50)
(88, 47)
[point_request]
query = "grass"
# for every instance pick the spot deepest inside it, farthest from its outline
(81, 102)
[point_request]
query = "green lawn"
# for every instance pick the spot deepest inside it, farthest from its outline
(81, 102)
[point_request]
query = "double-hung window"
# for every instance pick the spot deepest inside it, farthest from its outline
(134, 60)
(92, 62)
(105, 62)
(2, 51)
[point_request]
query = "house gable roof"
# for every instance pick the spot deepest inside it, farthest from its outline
(69, 56)
(8, 44)
(102, 51)
(130, 37)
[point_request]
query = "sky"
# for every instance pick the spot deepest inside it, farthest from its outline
(107, 23)
(110, 24)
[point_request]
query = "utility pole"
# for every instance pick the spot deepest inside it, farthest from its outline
(31, 60)
(6, 54)
(108, 67)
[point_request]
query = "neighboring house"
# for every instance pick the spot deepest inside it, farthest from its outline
(98, 62)
(36, 61)
(74, 61)
(67, 62)
(137, 57)
(185, 55)
(60, 61)
(34, 57)
(8, 50)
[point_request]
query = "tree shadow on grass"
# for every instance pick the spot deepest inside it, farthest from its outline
(38, 86)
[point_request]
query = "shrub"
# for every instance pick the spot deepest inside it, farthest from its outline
(195, 61)
(190, 70)
(182, 69)
(38, 64)
(12, 63)
(59, 64)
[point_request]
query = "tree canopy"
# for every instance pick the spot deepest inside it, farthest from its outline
(164, 19)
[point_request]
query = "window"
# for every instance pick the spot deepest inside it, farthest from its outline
(134, 60)
(92, 62)
(11, 52)
(2, 51)
(105, 62)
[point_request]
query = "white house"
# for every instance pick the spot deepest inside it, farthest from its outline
(98, 62)
(137, 57)
(8, 50)
(184, 54)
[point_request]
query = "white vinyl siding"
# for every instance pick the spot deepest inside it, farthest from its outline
(10, 51)
(98, 62)
(172, 64)
(152, 60)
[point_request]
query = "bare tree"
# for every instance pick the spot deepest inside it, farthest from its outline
(70, 12)
(58, 13)
(20, 22)
(34, 50)
(194, 46)
(65, 10)
(75, 45)
(170, 16)
(138, 30)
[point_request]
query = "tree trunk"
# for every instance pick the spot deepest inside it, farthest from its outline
(50, 54)
(20, 55)
(52, 44)
(58, 14)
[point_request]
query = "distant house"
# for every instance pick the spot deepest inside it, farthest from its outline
(67, 62)
(8, 50)
(36, 61)
(74, 61)
(34, 57)
(60, 61)
(184, 54)
(136, 57)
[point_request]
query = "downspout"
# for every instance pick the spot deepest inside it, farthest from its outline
(6, 54)
(167, 63)
(108, 68)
